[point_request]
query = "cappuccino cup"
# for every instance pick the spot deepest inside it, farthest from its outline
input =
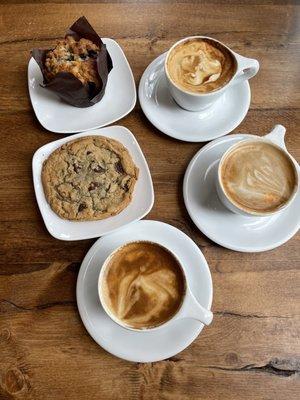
(257, 177)
(142, 286)
(200, 69)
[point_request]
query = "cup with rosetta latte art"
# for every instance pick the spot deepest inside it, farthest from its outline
(199, 69)
(257, 176)
(142, 286)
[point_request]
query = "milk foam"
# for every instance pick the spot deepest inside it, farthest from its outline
(144, 285)
(198, 66)
(258, 176)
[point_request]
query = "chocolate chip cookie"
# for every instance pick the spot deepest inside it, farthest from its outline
(90, 178)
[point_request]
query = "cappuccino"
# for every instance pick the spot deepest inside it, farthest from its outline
(258, 177)
(200, 65)
(143, 285)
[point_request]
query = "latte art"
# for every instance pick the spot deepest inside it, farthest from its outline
(200, 65)
(198, 69)
(258, 176)
(143, 285)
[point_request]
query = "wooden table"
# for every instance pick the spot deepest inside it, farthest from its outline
(251, 351)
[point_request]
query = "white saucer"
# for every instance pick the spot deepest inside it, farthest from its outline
(60, 117)
(236, 232)
(141, 204)
(166, 115)
(142, 346)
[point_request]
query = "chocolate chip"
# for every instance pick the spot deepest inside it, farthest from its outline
(81, 207)
(98, 168)
(83, 56)
(92, 53)
(93, 186)
(119, 167)
(126, 188)
(88, 152)
(77, 168)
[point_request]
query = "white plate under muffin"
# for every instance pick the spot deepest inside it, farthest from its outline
(142, 200)
(60, 117)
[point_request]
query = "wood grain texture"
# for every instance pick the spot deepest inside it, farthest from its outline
(252, 349)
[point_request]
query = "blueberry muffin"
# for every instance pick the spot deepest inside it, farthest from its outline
(90, 178)
(76, 57)
(77, 68)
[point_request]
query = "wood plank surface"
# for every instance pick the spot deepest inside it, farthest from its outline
(252, 349)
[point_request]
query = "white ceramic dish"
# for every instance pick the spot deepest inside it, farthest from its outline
(189, 307)
(236, 232)
(58, 116)
(272, 138)
(152, 345)
(167, 116)
(143, 196)
(245, 69)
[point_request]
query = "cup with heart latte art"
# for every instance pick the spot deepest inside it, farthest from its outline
(257, 177)
(200, 69)
(142, 286)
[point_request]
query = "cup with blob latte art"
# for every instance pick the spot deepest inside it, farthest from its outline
(142, 286)
(257, 176)
(200, 69)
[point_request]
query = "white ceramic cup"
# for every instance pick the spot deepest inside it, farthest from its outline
(246, 68)
(276, 138)
(190, 307)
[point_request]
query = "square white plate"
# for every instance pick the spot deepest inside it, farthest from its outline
(60, 117)
(141, 204)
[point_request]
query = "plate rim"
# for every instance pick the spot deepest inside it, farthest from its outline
(70, 131)
(66, 139)
(83, 314)
(167, 132)
(210, 236)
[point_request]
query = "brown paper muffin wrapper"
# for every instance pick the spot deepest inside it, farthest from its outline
(66, 85)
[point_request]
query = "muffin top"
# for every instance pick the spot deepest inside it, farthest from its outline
(76, 57)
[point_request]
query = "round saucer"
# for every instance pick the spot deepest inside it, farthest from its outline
(167, 116)
(236, 232)
(142, 346)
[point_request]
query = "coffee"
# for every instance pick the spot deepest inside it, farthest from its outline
(200, 65)
(143, 285)
(258, 177)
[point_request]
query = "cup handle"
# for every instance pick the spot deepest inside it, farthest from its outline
(246, 68)
(277, 135)
(192, 309)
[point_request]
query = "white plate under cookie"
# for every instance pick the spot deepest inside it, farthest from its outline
(166, 115)
(60, 117)
(236, 232)
(142, 346)
(141, 204)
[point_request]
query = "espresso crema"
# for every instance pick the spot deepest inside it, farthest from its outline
(200, 65)
(258, 176)
(143, 285)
